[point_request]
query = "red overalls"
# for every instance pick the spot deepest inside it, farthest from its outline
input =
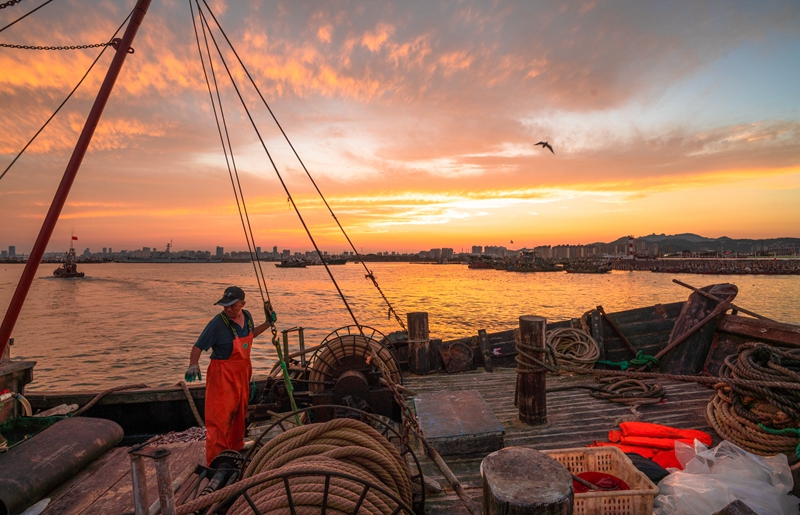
(227, 393)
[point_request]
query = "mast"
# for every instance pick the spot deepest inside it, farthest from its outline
(122, 47)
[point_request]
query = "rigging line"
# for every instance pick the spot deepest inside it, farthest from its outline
(369, 275)
(65, 100)
(280, 178)
(259, 278)
(253, 251)
(26, 15)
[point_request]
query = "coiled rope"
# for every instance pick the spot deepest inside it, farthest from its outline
(574, 347)
(340, 349)
(760, 419)
(343, 447)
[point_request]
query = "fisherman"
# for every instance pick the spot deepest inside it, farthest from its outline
(229, 335)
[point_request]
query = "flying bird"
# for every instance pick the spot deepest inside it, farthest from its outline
(512, 241)
(545, 144)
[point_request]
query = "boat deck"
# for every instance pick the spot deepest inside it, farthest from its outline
(574, 419)
(105, 486)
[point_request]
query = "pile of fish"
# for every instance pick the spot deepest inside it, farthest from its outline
(193, 434)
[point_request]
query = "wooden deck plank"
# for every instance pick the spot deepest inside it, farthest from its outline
(105, 486)
(575, 419)
(119, 498)
(91, 484)
(86, 473)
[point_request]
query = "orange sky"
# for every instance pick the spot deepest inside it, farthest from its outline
(419, 122)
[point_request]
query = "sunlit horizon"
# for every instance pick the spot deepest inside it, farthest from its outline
(418, 122)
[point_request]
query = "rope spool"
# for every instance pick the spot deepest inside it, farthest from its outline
(346, 349)
(749, 414)
(287, 472)
(574, 347)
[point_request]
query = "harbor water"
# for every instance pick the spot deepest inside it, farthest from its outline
(135, 323)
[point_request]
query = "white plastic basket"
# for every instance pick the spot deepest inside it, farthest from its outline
(610, 460)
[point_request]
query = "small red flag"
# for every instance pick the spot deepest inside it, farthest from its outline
(74, 237)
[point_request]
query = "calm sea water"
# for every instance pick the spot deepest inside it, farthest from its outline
(136, 323)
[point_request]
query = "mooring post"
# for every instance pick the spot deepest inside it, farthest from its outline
(165, 493)
(531, 377)
(419, 344)
(139, 479)
(523, 481)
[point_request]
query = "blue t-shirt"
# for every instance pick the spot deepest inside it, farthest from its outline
(218, 337)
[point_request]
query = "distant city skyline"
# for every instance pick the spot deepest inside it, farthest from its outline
(623, 245)
(418, 122)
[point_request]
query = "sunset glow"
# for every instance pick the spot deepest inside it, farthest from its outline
(418, 120)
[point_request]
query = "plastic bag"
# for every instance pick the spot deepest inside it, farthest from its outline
(713, 478)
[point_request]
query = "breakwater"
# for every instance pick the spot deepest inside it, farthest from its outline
(712, 266)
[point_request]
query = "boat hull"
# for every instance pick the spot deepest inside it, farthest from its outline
(142, 413)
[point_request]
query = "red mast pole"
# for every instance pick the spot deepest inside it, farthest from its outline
(74, 164)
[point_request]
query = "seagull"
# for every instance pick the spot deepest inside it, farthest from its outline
(512, 241)
(545, 144)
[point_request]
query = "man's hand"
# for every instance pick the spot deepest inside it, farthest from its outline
(192, 373)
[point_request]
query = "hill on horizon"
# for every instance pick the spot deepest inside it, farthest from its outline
(669, 244)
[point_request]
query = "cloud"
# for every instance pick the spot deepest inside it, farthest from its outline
(407, 114)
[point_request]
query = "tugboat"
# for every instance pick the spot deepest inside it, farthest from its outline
(292, 263)
(69, 268)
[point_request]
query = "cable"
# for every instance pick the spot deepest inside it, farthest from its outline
(275, 168)
(25, 15)
(343, 446)
(68, 96)
(248, 233)
(370, 274)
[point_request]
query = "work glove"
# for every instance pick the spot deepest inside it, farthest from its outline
(192, 373)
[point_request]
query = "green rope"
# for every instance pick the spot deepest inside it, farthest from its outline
(788, 431)
(641, 359)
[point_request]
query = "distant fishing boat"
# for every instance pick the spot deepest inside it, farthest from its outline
(292, 263)
(69, 268)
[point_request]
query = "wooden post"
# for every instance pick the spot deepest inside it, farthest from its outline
(523, 481)
(419, 344)
(486, 351)
(532, 378)
(435, 356)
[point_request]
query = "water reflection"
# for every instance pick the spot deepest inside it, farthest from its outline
(135, 323)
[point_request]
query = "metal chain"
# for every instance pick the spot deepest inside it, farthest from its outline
(9, 3)
(72, 47)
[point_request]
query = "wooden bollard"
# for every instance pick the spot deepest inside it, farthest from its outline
(524, 481)
(532, 378)
(419, 344)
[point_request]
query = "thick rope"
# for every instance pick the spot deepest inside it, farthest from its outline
(192, 405)
(574, 347)
(761, 419)
(342, 445)
(104, 393)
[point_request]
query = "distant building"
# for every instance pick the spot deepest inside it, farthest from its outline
(87, 252)
(286, 254)
(4, 253)
(477, 249)
(220, 252)
(495, 251)
(446, 253)
(544, 251)
(12, 251)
